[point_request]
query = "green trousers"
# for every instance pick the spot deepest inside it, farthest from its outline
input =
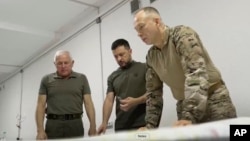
(61, 129)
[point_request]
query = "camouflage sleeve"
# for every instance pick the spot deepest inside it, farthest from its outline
(154, 101)
(190, 49)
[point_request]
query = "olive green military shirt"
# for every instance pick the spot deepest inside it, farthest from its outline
(64, 96)
(129, 82)
(185, 66)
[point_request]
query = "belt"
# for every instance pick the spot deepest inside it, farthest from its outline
(215, 86)
(64, 117)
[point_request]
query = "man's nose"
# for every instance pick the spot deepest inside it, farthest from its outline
(63, 65)
(139, 34)
(119, 58)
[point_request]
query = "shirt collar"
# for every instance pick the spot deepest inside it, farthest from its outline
(72, 75)
(128, 65)
(167, 30)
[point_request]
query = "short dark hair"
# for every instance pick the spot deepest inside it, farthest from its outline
(120, 42)
(149, 9)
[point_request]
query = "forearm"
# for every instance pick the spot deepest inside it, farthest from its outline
(40, 113)
(107, 109)
(194, 107)
(154, 103)
(142, 99)
(196, 93)
(154, 107)
(91, 114)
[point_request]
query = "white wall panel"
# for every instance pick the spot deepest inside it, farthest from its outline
(10, 98)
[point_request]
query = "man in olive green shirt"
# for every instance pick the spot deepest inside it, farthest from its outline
(127, 84)
(61, 97)
(178, 59)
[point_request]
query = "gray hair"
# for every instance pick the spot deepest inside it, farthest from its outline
(61, 52)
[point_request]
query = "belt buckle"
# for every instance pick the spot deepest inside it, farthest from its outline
(54, 116)
(66, 117)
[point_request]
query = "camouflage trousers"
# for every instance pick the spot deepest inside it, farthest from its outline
(219, 106)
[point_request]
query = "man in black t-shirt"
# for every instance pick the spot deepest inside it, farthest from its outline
(126, 85)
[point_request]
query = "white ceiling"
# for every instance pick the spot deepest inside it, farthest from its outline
(28, 27)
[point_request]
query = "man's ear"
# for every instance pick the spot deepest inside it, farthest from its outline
(157, 21)
(130, 50)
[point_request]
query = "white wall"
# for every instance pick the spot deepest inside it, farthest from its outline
(221, 24)
(10, 97)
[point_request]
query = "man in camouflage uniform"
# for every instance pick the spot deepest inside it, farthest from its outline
(178, 59)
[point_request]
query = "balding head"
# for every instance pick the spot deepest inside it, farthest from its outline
(148, 12)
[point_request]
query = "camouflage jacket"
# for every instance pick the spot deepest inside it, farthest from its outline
(185, 66)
